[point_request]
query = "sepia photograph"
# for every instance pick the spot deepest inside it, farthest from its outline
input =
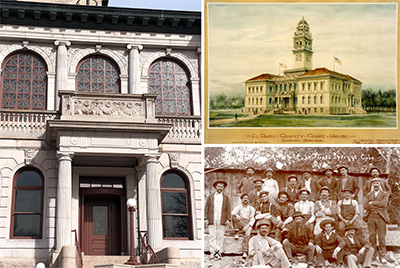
(298, 207)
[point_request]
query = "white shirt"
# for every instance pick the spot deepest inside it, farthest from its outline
(307, 184)
(271, 186)
(306, 208)
(245, 212)
(218, 199)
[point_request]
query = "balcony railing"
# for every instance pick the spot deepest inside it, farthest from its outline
(184, 128)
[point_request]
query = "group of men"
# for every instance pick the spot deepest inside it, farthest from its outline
(318, 218)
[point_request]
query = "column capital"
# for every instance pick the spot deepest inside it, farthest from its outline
(62, 43)
(65, 156)
(152, 158)
(134, 46)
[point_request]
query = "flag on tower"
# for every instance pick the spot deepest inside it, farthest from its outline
(337, 60)
(283, 65)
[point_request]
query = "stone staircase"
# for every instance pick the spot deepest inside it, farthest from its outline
(91, 261)
(356, 110)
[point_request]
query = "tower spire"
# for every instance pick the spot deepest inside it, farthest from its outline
(302, 46)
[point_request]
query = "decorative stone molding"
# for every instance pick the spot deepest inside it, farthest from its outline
(134, 46)
(174, 159)
(25, 44)
(107, 107)
(29, 155)
(168, 51)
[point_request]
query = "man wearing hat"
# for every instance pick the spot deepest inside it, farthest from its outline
(299, 240)
(347, 182)
(264, 250)
(310, 184)
(375, 173)
(325, 208)
(246, 184)
(329, 244)
(348, 211)
(270, 184)
(357, 249)
(375, 204)
(306, 208)
(329, 181)
(243, 219)
(254, 195)
(291, 188)
(217, 214)
(283, 212)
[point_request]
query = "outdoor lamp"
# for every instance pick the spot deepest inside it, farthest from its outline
(131, 204)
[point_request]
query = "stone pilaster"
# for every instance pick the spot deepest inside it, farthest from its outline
(134, 68)
(61, 66)
(154, 222)
(64, 200)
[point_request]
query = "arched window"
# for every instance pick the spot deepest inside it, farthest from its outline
(97, 74)
(175, 206)
(23, 82)
(170, 81)
(27, 204)
(315, 99)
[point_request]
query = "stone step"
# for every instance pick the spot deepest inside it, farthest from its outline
(91, 261)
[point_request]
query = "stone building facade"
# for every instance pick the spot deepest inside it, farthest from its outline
(98, 105)
(303, 90)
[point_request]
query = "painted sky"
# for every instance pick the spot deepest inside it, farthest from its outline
(189, 5)
(245, 40)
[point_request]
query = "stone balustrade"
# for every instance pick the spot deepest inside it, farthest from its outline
(183, 127)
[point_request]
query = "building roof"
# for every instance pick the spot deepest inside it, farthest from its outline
(99, 18)
(262, 77)
(322, 71)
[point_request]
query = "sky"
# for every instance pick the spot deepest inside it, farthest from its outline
(189, 5)
(245, 40)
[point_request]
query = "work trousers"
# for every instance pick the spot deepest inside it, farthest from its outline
(365, 259)
(377, 226)
(291, 249)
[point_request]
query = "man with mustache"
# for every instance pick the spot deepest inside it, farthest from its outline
(291, 188)
(375, 173)
(254, 195)
(243, 219)
(324, 208)
(299, 240)
(264, 250)
(348, 211)
(329, 244)
(246, 184)
(306, 207)
(283, 212)
(357, 249)
(347, 182)
(270, 184)
(330, 182)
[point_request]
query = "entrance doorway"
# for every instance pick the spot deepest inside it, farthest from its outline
(102, 219)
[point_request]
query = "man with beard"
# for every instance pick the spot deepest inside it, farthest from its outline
(347, 182)
(299, 240)
(270, 184)
(283, 212)
(264, 250)
(330, 182)
(357, 249)
(291, 188)
(375, 204)
(306, 207)
(264, 209)
(254, 195)
(375, 173)
(246, 184)
(217, 214)
(243, 219)
(329, 244)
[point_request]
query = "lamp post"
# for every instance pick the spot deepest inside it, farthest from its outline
(40, 265)
(131, 204)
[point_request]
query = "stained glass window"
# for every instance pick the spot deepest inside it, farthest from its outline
(175, 207)
(23, 82)
(27, 209)
(97, 74)
(170, 82)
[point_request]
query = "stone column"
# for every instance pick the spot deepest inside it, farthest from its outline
(61, 67)
(153, 208)
(64, 200)
(134, 68)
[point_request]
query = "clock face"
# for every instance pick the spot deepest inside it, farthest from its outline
(298, 57)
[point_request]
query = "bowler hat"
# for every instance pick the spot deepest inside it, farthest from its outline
(256, 180)
(325, 222)
(243, 195)
(269, 169)
(325, 188)
(220, 181)
(375, 179)
(351, 227)
(292, 176)
(263, 192)
(283, 192)
(325, 170)
(249, 168)
(370, 170)
(348, 190)
(263, 222)
(298, 214)
(339, 168)
(304, 189)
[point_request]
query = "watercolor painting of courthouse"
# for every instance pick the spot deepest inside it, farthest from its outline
(301, 65)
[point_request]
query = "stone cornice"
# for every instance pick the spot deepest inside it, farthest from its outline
(100, 18)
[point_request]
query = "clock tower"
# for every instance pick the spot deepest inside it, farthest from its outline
(302, 47)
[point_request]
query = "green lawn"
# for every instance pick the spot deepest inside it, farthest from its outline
(224, 115)
(382, 120)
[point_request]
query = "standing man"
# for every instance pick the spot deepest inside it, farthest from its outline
(357, 249)
(375, 204)
(270, 184)
(348, 211)
(243, 219)
(291, 188)
(310, 184)
(347, 182)
(217, 215)
(254, 195)
(306, 208)
(330, 182)
(299, 240)
(375, 173)
(246, 184)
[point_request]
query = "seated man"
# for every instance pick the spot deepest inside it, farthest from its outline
(329, 245)
(299, 240)
(283, 212)
(357, 249)
(264, 250)
(347, 211)
(306, 207)
(243, 219)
